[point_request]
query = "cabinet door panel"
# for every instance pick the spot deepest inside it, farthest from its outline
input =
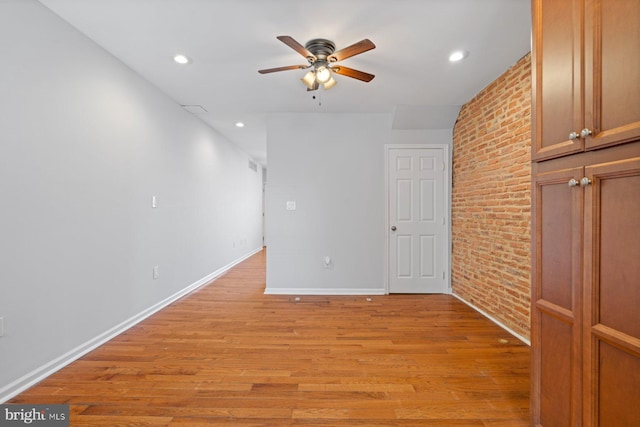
(619, 254)
(556, 299)
(619, 393)
(612, 293)
(557, 78)
(556, 243)
(612, 71)
(556, 382)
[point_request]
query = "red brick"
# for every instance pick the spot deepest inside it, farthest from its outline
(491, 199)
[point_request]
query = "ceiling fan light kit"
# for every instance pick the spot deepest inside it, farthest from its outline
(321, 55)
(323, 74)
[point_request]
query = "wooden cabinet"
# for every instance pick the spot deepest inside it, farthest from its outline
(557, 78)
(586, 75)
(611, 337)
(585, 313)
(585, 299)
(556, 302)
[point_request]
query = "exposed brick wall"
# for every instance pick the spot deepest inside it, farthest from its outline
(492, 198)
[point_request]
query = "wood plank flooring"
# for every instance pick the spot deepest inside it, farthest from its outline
(228, 355)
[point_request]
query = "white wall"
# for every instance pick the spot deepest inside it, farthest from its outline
(332, 166)
(84, 144)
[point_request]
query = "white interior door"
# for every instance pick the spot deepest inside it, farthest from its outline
(418, 231)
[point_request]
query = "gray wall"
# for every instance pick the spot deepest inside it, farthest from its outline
(84, 145)
(332, 166)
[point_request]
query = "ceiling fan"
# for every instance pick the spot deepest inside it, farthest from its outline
(321, 57)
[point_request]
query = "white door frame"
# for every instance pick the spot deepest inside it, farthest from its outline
(447, 189)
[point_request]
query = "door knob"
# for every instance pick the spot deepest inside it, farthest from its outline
(585, 181)
(573, 135)
(572, 182)
(585, 133)
(393, 228)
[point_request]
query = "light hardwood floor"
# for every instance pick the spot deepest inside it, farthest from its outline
(229, 355)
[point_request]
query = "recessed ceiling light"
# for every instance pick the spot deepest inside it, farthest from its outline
(458, 55)
(182, 59)
(240, 124)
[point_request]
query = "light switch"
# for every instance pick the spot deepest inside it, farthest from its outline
(291, 205)
(154, 202)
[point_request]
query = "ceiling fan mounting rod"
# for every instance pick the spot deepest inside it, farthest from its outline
(320, 63)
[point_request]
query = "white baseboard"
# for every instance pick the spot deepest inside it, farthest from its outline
(322, 291)
(520, 337)
(37, 375)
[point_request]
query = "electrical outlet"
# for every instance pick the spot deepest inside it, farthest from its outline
(156, 272)
(154, 202)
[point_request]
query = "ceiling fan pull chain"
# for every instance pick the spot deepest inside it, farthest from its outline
(318, 96)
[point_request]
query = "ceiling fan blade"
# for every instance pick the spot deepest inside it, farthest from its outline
(290, 67)
(289, 41)
(354, 49)
(350, 72)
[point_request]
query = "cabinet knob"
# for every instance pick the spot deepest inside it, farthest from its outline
(572, 182)
(573, 135)
(585, 133)
(585, 181)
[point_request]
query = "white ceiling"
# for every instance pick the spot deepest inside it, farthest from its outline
(229, 40)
